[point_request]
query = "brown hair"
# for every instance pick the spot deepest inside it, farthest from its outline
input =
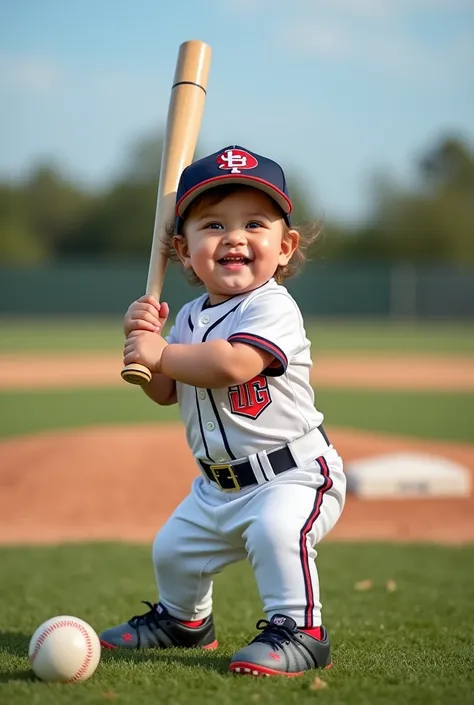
(308, 233)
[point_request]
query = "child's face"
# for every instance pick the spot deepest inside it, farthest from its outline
(236, 245)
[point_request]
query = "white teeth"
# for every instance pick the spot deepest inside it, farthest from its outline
(235, 256)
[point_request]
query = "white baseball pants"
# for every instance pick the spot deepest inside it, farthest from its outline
(276, 525)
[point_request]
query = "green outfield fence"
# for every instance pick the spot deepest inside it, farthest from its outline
(333, 289)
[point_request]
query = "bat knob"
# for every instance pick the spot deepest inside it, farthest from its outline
(136, 374)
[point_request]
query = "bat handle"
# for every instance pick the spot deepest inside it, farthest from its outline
(136, 374)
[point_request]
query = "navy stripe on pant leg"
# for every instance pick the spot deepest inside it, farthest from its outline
(315, 512)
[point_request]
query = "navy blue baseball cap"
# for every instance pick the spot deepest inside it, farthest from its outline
(232, 165)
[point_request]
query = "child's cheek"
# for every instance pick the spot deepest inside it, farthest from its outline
(263, 244)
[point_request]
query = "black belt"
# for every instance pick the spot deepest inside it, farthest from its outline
(232, 476)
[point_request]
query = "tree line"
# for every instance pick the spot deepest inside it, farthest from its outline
(48, 218)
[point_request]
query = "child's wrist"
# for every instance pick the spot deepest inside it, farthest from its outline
(159, 364)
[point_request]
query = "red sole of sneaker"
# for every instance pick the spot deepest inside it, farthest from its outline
(243, 668)
(209, 647)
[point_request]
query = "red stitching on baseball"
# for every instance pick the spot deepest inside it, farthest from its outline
(66, 623)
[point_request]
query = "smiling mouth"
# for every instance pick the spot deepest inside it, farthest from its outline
(234, 259)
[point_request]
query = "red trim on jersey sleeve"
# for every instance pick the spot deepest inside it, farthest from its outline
(274, 369)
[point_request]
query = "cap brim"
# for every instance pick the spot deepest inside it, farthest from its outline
(244, 179)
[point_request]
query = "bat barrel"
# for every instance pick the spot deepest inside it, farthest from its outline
(192, 68)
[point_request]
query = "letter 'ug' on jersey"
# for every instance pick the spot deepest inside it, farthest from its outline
(251, 398)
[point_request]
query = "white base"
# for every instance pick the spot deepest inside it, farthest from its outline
(404, 475)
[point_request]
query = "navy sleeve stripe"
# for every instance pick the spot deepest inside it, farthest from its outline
(274, 371)
(263, 343)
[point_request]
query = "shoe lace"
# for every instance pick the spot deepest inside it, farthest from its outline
(140, 620)
(274, 634)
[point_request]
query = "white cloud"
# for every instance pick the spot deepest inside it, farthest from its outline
(29, 74)
(363, 8)
(322, 38)
(384, 8)
(389, 49)
(375, 33)
(360, 8)
(244, 6)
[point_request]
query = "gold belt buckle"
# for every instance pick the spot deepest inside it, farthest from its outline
(231, 476)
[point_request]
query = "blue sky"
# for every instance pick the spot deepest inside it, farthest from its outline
(338, 91)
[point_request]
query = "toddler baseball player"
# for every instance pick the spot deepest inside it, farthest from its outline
(237, 361)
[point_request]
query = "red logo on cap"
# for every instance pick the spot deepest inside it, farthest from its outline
(235, 160)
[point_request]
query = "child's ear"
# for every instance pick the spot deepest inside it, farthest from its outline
(289, 244)
(182, 250)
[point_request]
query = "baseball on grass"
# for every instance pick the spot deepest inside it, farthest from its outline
(64, 649)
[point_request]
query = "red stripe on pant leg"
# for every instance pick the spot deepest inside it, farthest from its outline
(303, 543)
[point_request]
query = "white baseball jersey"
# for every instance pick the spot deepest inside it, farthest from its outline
(275, 407)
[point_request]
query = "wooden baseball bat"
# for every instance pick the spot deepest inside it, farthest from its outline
(186, 106)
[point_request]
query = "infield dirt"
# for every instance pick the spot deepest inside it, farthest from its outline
(76, 371)
(122, 482)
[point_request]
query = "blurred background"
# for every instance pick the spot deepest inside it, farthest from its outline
(369, 107)
(367, 104)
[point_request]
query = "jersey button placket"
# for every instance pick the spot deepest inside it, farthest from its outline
(210, 426)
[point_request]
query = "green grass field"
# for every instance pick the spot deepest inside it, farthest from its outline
(437, 415)
(38, 335)
(411, 646)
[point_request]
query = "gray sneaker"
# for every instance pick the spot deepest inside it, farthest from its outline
(157, 629)
(281, 649)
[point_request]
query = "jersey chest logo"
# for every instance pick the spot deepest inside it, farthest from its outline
(251, 398)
